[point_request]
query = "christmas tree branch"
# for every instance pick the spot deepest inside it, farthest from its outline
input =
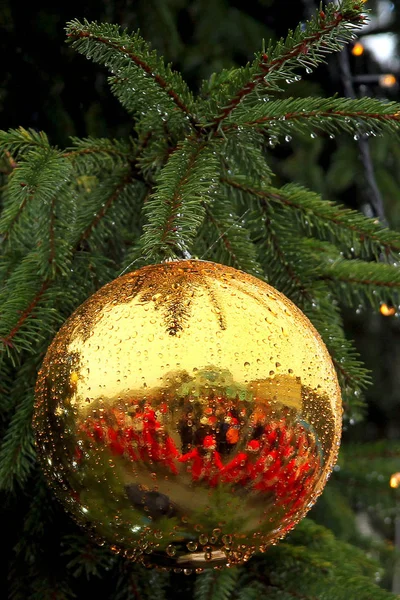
(106, 44)
(301, 293)
(293, 264)
(217, 586)
(15, 142)
(17, 453)
(40, 175)
(22, 301)
(105, 206)
(175, 210)
(92, 155)
(244, 152)
(223, 236)
(366, 281)
(330, 115)
(8, 338)
(233, 245)
(305, 47)
(321, 214)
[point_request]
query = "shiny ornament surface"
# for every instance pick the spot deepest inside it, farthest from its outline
(188, 414)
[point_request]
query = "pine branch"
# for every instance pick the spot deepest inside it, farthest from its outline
(307, 46)
(28, 306)
(317, 565)
(19, 307)
(293, 265)
(157, 141)
(133, 583)
(364, 281)
(41, 175)
(330, 115)
(129, 57)
(17, 453)
(254, 591)
(363, 477)
(113, 189)
(91, 156)
(175, 210)
(244, 152)
(232, 245)
(85, 557)
(319, 216)
(17, 141)
(218, 586)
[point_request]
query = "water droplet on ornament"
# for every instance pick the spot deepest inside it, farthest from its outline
(191, 546)
(171, 550)
(203, 539)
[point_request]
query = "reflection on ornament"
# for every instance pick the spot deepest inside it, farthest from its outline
(395, 480)
(188, 414)
(387, 311)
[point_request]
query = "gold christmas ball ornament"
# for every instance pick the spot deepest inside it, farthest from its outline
(188, 415)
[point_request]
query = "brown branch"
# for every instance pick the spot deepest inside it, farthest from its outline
(176, 200)
(143, 65)
(315, 113)
(26, 313)
(82, 151)
(7, 340)
(100, 214)
(336, 219)
(13, 221)
(291, 272)
(267, 66)
(347, 378)
(386, 284)
(13, 163)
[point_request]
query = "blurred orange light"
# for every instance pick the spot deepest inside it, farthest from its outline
(358, 49)
(388, 80)
(387, 311)
(395, 480)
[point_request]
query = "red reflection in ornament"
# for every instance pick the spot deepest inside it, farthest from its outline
(205, 460)
(281, 457)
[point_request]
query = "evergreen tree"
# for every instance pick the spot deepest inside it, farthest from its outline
(194, 178)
